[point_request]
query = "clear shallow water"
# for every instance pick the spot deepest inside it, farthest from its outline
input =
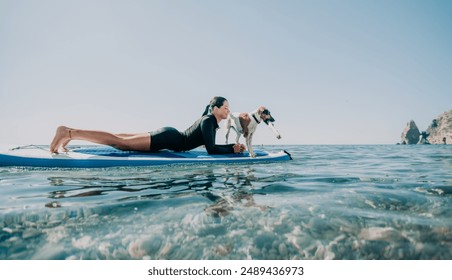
(330, 202)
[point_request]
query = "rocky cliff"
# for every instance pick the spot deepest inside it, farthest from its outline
(439, 131)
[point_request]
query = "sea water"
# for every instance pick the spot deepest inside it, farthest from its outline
(330, 202)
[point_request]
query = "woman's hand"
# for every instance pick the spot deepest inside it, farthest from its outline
(239, 148)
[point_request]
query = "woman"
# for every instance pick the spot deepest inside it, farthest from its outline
(202, 132)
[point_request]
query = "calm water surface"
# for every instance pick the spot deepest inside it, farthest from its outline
(330, 202)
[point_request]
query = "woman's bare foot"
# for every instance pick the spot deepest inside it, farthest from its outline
(61, 139)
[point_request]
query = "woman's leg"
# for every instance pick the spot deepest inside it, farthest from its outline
(128, 142)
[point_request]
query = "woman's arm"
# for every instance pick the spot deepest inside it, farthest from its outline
(208, 130)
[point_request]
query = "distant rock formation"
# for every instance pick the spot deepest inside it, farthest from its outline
(440, 130)
(410, 134)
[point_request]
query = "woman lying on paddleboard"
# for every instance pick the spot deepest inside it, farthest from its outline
(202, 132)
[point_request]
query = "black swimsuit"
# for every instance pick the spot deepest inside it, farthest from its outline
(202, 132)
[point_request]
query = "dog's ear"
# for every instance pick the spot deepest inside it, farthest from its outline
(261, 109)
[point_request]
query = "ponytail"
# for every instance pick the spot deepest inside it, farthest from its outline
(206, 111)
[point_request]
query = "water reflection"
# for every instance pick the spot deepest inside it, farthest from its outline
(221, 186)
(223, 206)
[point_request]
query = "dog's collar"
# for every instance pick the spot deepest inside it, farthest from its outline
(254, 116)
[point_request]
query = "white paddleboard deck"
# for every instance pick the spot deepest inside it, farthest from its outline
(104, 156)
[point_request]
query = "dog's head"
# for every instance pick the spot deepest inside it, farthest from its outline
(265, 115)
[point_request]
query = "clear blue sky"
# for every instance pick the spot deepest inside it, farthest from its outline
(331, 72)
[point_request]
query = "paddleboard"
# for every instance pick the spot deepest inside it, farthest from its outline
(105, 156)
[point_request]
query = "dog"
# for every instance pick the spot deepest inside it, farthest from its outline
(246, 123)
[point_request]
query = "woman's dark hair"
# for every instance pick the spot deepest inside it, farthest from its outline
(217, 101)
